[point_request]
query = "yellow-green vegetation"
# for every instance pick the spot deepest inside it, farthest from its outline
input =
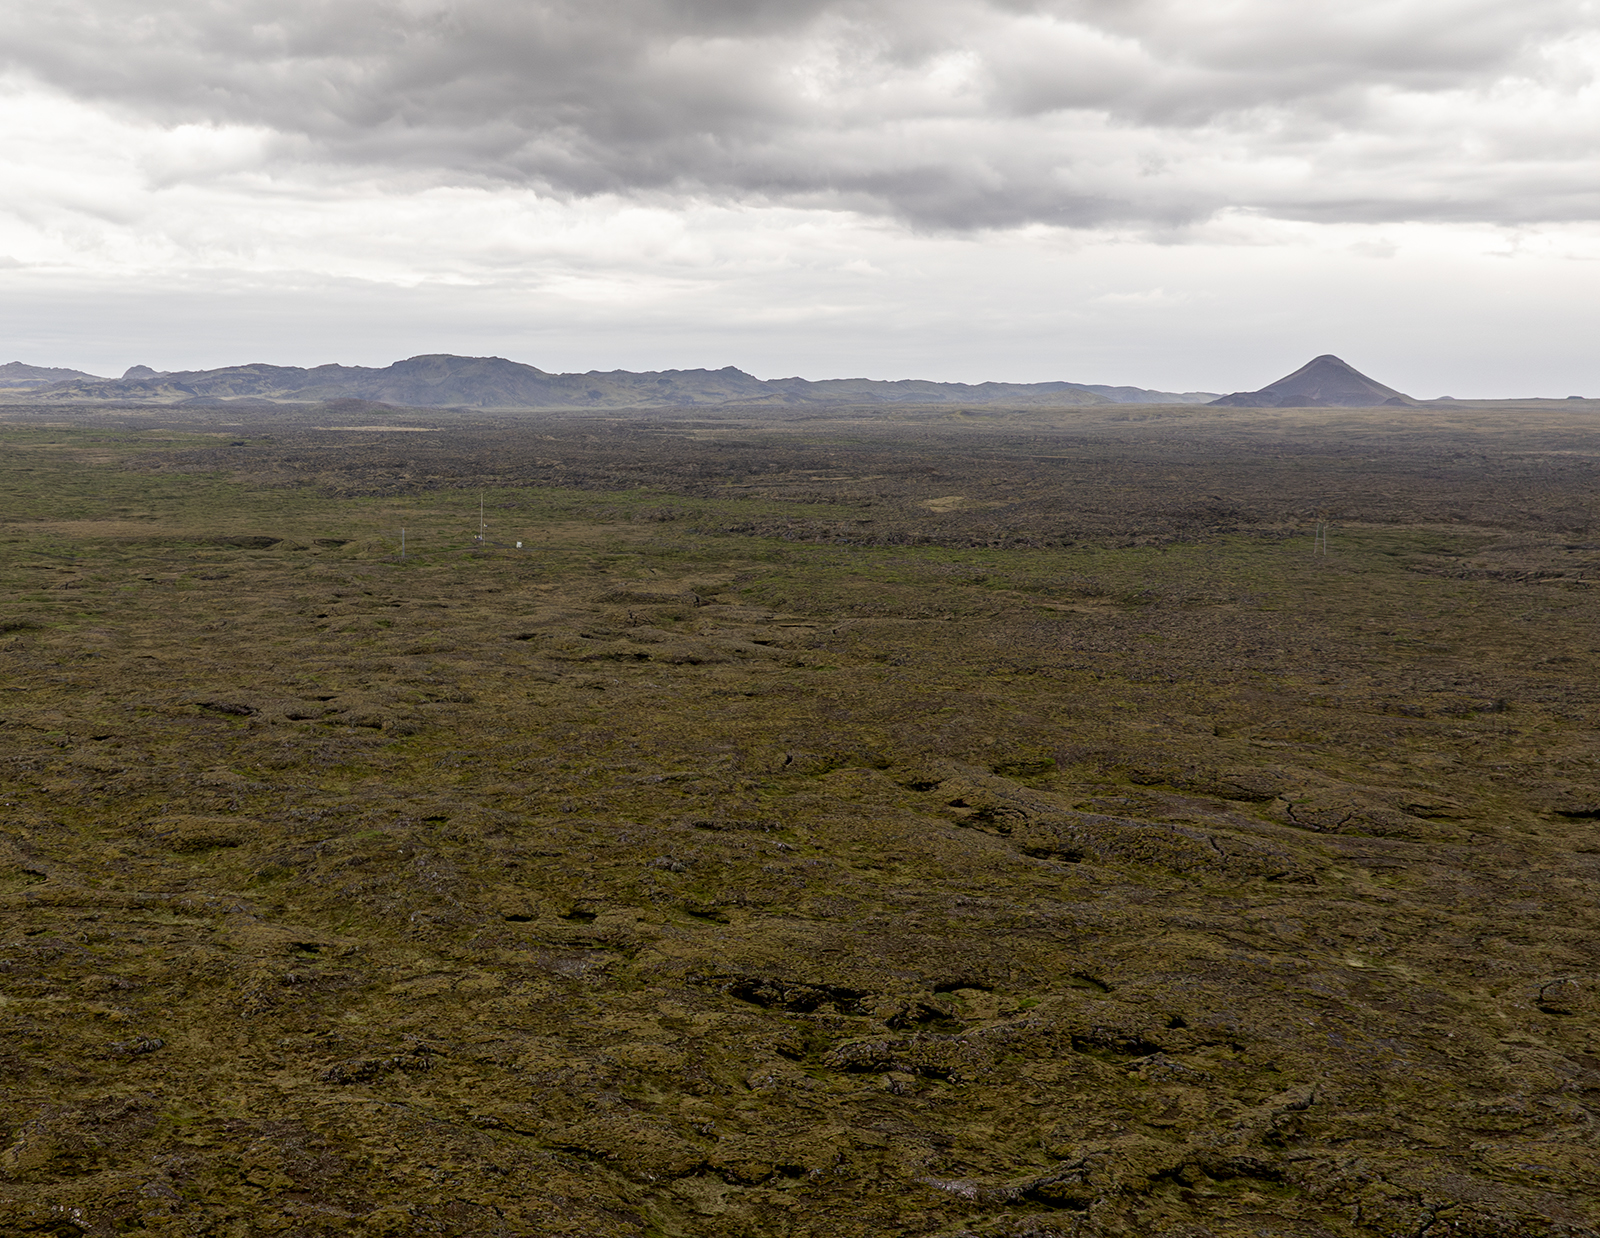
(874, 838)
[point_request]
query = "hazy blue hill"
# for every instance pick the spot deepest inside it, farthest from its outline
(17, 376)
(434, 381)
(1145, 395)
(493, 382)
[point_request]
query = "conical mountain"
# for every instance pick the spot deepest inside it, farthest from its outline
(1325, 382)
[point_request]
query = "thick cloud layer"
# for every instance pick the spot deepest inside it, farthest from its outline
(952, 114)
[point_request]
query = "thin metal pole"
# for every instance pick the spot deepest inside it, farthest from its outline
(402, 541)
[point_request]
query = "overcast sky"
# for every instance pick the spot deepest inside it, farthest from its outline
(1185, 194)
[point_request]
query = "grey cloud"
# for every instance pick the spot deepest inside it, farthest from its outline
(946, 113)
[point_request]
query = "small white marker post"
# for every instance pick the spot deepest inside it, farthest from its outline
(480, 515)
(1320, 545)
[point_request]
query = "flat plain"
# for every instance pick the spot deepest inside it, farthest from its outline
(915, 822)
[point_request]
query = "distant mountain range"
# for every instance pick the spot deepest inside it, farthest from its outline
(444, 381)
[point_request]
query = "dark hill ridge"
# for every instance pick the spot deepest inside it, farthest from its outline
(443, 381)
(1324, 382)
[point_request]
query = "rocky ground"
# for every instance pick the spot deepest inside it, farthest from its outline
(939, 826)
